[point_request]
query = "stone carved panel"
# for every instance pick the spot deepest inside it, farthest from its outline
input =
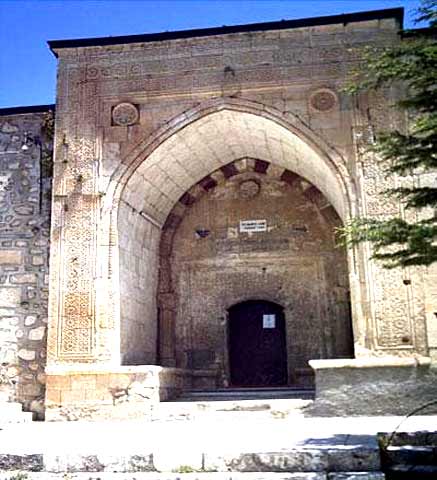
(121, 70)
(75, 226)
(77, 300)
(392, 307)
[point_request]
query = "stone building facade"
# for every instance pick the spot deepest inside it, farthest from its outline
(198, 180)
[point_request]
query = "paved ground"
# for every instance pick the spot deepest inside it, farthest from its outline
(229, 442)
(202, 433)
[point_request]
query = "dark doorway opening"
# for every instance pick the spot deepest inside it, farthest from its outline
(257, 346)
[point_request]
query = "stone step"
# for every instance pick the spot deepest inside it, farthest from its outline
(10, 407)
(423, 438)
(275, 408)
(198, 476)
(412, 472)
(12, 412)
(246, 394)
(239, 409)
(410, 455)
(322, 458)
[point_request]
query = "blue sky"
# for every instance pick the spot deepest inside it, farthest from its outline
(28, 68)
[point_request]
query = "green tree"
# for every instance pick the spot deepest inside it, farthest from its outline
(412, 64)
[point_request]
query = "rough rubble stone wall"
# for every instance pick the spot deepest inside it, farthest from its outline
(25, 197)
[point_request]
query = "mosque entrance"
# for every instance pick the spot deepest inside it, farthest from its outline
(257, 346)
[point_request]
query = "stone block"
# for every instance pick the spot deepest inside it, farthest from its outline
(11, 257)
(305, 460)
(38, 260)
(356, 476)
(29, 463)
(115, 134)
(53, 396)
(10, 297)
(37, 333)
(85, 382)
(102, 395)
(73, 397)
(30, 320)
(24, 278)
(31, 390)
(373, 386)
(59, 382)
(102, 380)
(27, 355)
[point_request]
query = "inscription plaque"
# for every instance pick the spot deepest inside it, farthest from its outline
(250, 226)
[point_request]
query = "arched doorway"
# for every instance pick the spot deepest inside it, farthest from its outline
(180, 238)
(252, 230)
(257, 344)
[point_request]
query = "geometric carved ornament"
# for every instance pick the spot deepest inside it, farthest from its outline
(323, 100)
(125, 114)
(249, 189)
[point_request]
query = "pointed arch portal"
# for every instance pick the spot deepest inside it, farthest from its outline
(223, 182)
(225, 146)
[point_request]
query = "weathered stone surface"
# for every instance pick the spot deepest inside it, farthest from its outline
(32, 463)
(25, 189)
(30, 320)
(386, 386)
(11, 257)
(24, 278)
(356, 476)
(37, 333)
(229, 265)
(9, 128)
(184, 476)
(26, 354)
(10, 297)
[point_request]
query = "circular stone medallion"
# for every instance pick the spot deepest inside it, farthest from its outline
(125, 114)
(249, 189)
(323, 100)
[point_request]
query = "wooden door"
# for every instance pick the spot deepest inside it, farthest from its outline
(257, 347)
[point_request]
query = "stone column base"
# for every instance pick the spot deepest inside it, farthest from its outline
(374, 386)
(93, 392)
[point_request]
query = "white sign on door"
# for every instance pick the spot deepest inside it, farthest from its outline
(269, 321)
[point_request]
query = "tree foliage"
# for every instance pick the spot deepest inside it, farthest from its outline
(411, 153)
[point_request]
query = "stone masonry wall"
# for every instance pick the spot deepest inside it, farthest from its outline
(292, 262)
(25, 198)
(139, 240)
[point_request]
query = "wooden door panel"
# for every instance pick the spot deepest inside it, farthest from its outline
(257, 353)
